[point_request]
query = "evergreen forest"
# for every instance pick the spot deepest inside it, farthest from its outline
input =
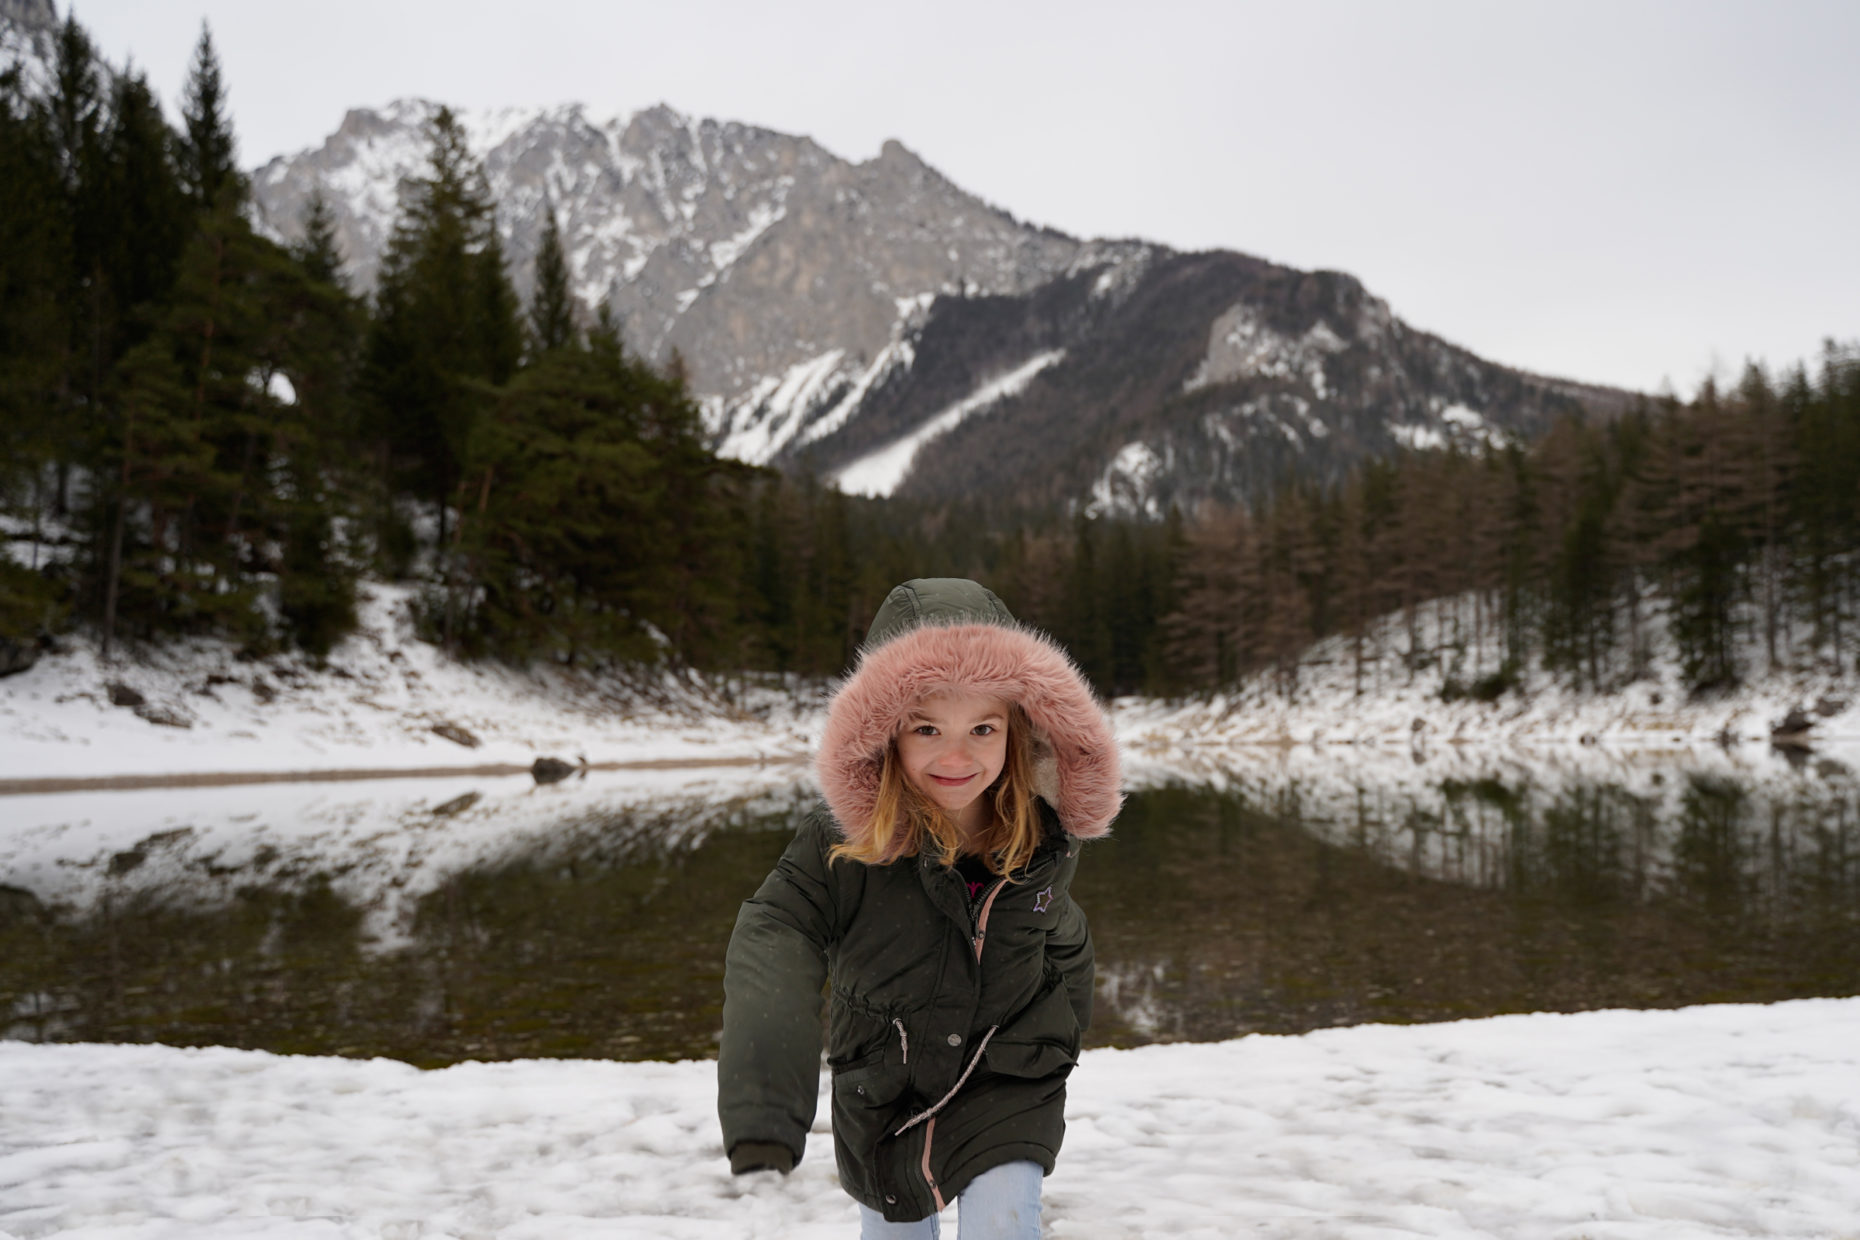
(204, 432)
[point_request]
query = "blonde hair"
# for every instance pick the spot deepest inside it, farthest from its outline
(905, 822)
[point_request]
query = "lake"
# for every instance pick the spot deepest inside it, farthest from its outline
(441, 920)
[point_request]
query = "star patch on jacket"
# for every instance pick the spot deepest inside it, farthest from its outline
(1043, 900)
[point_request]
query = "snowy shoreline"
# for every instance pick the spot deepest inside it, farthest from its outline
(384, 702)
(347, 775)
(1724, 1121)
(389, 705)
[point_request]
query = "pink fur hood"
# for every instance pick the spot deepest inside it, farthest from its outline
(935, 636)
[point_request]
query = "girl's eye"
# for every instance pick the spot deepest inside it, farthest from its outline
(984, 729)
(924, 729)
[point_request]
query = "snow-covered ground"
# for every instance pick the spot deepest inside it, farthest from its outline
(375, 706)
(1336, 697)
(1672, 1125)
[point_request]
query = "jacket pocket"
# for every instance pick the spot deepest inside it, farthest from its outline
(1033, 1060)
(872, 1086)
(1042, 1039)
(868, 1105)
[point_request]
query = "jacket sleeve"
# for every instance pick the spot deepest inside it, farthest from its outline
(1068, 946)
(768, 1061)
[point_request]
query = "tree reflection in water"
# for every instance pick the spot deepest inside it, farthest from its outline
(1245, 904)
(1228, 912)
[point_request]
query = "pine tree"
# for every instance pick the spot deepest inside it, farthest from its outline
(498, 322)
(552, 305)
(318, 253)
(318, 442)
(445, 331)
(132, 226)
(558, 465)
(75, 117)
(1704, 546)
(1632, 529)
(149, 214)
(222, 467)
(179, 393)
(1767, 466)
(34, 239)
(76, 105)
(34, 331)
(209, 157)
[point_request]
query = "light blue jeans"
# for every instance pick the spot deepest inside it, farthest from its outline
(1002, 1203)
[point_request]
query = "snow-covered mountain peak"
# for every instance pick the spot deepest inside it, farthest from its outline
(661, 210)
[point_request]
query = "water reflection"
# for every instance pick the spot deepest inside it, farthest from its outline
(435, 923)
(585, 921)
(1265, 908)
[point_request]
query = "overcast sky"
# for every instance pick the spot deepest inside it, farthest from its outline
(1627, 192)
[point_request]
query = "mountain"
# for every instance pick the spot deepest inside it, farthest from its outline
(877, 325)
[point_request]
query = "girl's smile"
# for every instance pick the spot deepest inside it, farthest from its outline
(952, 748)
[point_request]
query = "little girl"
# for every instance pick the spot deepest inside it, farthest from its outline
(962, 763)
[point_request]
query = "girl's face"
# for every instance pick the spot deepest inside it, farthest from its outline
(952, 748)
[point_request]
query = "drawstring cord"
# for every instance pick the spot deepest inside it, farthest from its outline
(904, 1040)
(944, 1100)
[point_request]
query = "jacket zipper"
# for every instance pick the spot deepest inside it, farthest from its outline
(979, 920)
(936, 1194)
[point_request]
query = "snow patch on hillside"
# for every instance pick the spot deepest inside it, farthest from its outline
(1120, 267)
(1242, 344)
(1419, 438)
(762, 217)
(814, 399)
(1469, 422)
(880, 473)
(1126, 488)
(894, 357)
(1458, 425)
(776, 410)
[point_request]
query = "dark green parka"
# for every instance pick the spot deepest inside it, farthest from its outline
(953, 1024)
